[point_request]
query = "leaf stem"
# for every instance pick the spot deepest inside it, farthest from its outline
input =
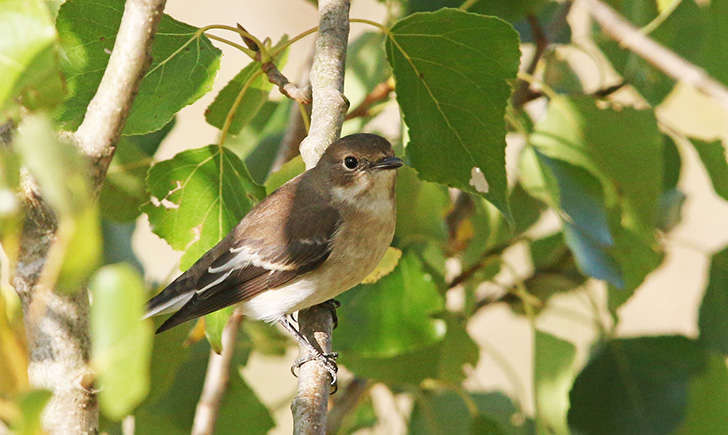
(296, 38)
(234, 107)
(467, 4)
(240, 32)
(379, 26)
(304, 116)
(245, 50)
(659, 19)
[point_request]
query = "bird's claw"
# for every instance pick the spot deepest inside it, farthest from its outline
(327, 359)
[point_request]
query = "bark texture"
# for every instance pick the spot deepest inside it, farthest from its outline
(56, 323)
(327, 115)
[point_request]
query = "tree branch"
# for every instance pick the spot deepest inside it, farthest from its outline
(296, 130)
(216, 379)
(653, 52)
(58, 338)
(327, 116)
(327, 80)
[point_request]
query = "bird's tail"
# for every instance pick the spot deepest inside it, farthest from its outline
(171, 299)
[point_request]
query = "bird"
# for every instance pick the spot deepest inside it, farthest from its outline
(316, 236)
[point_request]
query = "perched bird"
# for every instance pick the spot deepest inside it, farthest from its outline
(315, 237)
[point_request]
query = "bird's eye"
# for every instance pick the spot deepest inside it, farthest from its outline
(350, 162)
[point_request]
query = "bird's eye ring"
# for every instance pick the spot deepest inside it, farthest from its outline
(350, 162)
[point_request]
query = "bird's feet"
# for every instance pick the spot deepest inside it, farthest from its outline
(327, 359)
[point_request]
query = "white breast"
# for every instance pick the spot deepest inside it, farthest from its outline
(359, 244)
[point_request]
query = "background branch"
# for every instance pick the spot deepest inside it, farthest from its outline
(327, 116)
(58, 338)
(346, 402)
(216, 379)
(632, 39)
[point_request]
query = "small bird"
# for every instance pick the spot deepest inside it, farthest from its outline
(315, 237)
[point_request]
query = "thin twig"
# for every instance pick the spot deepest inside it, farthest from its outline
(662, 58)
(327, 116)
(346, 402)
(300, 94)
(298, 125)
(216, 379)
(380, 93)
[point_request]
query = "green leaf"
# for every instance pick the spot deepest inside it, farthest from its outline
(623, 149)
(124, 189)
(241, 408)
(635, 386)
(637, 255)
(559, 75)
(553, 373)
(445, 412)
(457, 350)
(183, 65)
(173, 412)
(395, 311)
(548, 251)
(28, 62)
(707, 409)
(511, 10)
(198, 196)
(550, 14)
(251, 87)
(214, 325)
(451, 70)
(579, 196)
(83, 249)
(362, 417)
(56, 165)
(713, 321)
(715, 49)
(421, 208)
(672, 163)
(170, 352)
(254, 87)
(444, 360)
(405, 368)
(592, 259)
(713, 156)
(266, 138)
(266, 339)
(288, 171)
(31, 405)
(121, 343)
(117, 239)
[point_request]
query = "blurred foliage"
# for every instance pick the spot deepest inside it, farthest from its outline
(607, 176)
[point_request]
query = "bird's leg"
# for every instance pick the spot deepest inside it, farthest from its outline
(333, 304)
(327, 359)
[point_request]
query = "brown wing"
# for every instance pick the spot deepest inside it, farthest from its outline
(288, 234)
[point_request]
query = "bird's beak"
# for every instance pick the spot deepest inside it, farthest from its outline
(388, 163)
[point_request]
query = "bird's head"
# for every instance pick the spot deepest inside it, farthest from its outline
(360, 168)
